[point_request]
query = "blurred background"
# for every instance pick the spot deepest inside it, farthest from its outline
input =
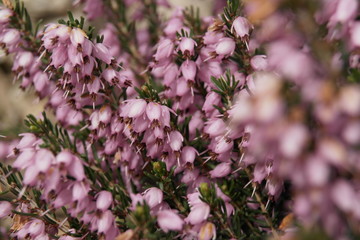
(15, 104)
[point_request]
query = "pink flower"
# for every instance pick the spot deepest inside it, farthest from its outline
(215, 127)
(77, 37)
(5, 208)
(76, 169)
(164, 50)
(221, 170)
(198, 213)
(5, 15)
(104, 200)
(153, 111)
(187, 46)
(43, 160)
(344, 196)
(355, 34)
(134, 108)
(153, 196)
(105, 221)
(188, 70)
(176, 140)
(25, 159)
(241, 26)
(64, 158)
(36, 228)
(93, 8)
(188, 154)
(27, 141)
(225, 47)
(345, 10)
(80, 191)
(169, 220)
(105, 114)
(102, 52)
(259, 62)
(10, 37)
(212, 98)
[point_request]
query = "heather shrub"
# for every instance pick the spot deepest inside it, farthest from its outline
(242, 125)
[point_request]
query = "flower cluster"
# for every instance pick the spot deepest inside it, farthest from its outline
(237, 127)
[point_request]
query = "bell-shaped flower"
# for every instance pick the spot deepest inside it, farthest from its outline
(64, 158)
(223, 145)
(169, 220)
(164, 50)
(43, 159)
(77, 36)
(76, 169)
(199, 213)
(105, 221)
(188, 70)
(105, 114)
(5, 208)
(188, 154)
(187, 45)
(176, 140)
(153, 196)
(80, 191)
(221, 170)
(104, 200)
(153, 111)
(259, 62)
(25, 159)
(225, 47)
(241, 26)
(101, 52)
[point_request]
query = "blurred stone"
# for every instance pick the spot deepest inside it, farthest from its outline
(46, 8)
(205, 6)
